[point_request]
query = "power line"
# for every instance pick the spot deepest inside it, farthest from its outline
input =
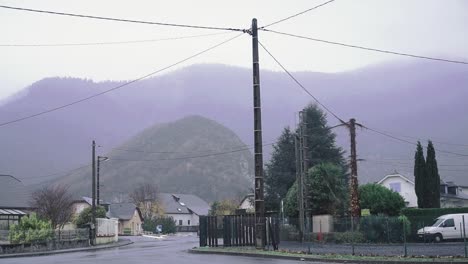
(121, 19)
(188, 157)
(111, 42)
(412, 143)
(295, 15)
(406, 163)
(300, 85)
(367, 48)
(410, 166)
(119, 86)
(56, 173)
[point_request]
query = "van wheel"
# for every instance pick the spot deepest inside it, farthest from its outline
(438, 238)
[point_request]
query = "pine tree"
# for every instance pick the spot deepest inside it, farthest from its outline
(419, 175)
(432, 178)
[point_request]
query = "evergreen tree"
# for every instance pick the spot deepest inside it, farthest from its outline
(280, 172)
(419, 176)
(432, 178)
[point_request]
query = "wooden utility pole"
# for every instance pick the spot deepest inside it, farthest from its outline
(258, 149)
(305, 161)
(354, 194)
(93, 198)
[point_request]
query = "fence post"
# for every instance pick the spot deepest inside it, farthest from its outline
(388, 232)
(464, 235)
(352, 235)
(404, 238)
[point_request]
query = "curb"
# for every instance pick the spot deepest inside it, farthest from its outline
(63, 251)
(318, 259)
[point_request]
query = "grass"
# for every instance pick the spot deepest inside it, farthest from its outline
(280, 253)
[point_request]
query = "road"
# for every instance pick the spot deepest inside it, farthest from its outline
(172, 249)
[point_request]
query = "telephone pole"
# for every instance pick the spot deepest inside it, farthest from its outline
(99, 160)
(300, 193)
(259, 199)
(305, 161)
(93, 203)
(354, 195)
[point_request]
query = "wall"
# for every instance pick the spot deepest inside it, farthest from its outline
(78, 207)
(194, 219)
(406, 190)
(322, 223)
(107, 230)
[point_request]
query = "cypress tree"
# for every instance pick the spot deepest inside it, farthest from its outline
(433, 177)
(419, 176)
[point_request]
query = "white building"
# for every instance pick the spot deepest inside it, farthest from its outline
(402, 185)
(185, 209)
(247, 203)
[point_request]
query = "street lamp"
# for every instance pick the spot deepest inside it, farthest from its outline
(99, 160)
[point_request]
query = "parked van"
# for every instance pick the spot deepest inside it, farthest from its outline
(448, 226)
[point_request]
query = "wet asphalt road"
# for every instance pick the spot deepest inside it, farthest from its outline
(172, 249)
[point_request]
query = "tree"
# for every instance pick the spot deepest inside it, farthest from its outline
(224, 207)
(86, 216)
(432, 178)
(281, 169)
(380, 200)
(145, 196)
(280, 172)
(327, 194)
(53, 203)
(420, 176)
(290, 205)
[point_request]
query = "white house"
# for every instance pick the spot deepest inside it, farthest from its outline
(247, 203)
(185, 209)
(402, 185)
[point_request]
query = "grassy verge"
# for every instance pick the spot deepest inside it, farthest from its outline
(253, 251)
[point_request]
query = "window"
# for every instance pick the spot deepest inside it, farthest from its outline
(180, 222)
(449, 223)
(395, 186)
(188, 222)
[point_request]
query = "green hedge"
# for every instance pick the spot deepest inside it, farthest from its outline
(420, 218)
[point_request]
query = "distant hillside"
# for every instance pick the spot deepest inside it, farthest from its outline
(424, 99)
(162, 156)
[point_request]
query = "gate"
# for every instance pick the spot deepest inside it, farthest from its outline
(235, 231)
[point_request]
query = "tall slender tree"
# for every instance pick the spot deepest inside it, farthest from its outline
(419, 176)
(432, 178)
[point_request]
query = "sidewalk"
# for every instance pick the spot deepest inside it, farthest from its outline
(120, 243)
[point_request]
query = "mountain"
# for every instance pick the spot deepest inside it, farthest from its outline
(193, 155)
(406, 98)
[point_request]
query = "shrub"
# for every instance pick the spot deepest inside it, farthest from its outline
(85, 216)
(349, 237)
(382, 229)
(30, 229)
(167, 223)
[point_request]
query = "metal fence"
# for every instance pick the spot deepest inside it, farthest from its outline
(367, 235)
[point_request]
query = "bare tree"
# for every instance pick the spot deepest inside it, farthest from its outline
(145, 196)
(53, 203)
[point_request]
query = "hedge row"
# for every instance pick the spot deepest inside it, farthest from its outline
(432, 212)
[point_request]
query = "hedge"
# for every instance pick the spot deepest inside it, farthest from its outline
(420, 218)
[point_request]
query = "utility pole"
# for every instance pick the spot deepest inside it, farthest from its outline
(305, 164)
(300, 197)
(93, 203)
(354, 195)
(99, 160)
(259, 198)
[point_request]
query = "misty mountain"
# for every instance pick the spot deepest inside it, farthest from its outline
(418, 99)
(192, 155)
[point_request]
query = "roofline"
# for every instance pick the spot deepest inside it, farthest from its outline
(395, 175)
(7, 175)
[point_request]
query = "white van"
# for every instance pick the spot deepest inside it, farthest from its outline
(445, 227)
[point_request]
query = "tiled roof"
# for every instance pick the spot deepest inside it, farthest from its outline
(122, 211)
(13, 194)
(183, 204)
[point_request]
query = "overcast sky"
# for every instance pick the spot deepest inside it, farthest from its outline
(424, 27)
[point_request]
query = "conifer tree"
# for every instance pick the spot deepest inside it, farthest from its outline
(419, 176)
(432, 178)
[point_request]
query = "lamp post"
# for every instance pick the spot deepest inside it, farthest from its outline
(99, 160)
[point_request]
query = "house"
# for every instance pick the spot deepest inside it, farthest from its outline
(129, 218)
(247, 203)
(14, 201)
(451, 195)
(402, 185)
(84, 202)
(185, 209)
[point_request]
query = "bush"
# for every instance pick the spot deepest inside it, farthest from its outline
(382, 229)
(349, 237)
(30, 229)
(85, 216)
(167, 223)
